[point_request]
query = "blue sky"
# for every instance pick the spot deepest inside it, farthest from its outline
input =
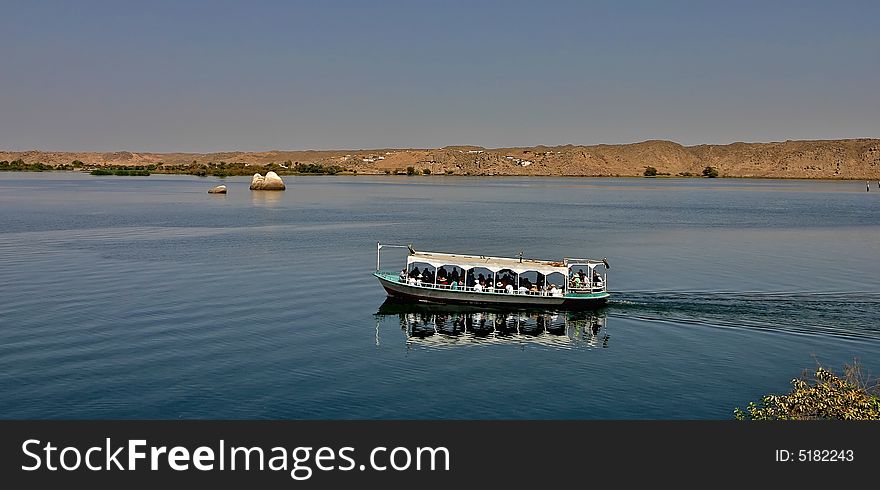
(262, 75)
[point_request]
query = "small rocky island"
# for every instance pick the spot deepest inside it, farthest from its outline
(271, 182)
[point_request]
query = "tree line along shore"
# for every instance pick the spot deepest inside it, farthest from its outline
(804, 159)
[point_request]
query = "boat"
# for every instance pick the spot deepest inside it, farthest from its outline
(570, 283)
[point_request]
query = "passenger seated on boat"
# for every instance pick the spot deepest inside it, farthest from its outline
(554, 291)
(454, 285)
(478, 287)
(441, 281)
(454, 277)
(415, 273)
(576, 282)
(402, 275)
(522, 289)
(597, 279)
(508, 288)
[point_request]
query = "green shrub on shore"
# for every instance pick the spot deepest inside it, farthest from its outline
(122, 171)
(18, 165)
(710, 172)
(650, 172)
(825, 395)
(317, 168)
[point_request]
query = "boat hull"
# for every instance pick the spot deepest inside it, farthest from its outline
(425, 294)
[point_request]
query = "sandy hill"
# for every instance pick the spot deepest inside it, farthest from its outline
(826, 159)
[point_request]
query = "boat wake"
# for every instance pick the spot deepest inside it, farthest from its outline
(842, 314)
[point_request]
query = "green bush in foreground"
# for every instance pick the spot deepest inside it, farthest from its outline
(825, 396)
(650, 171)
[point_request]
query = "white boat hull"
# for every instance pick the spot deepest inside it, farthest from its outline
(428, 294)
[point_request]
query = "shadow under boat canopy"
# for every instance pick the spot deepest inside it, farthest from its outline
(496, 264)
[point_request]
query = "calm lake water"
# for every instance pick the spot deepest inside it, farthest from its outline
(146, 297)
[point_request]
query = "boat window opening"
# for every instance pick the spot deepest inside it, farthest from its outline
(421, 274)
(505, 281)
(579, 278)
(479, 279)
(555, 284)
(450, 277)
(529, 282)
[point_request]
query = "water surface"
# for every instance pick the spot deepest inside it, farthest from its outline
(146, 297)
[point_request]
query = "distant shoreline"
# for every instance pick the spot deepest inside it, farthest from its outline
(873, 183)
(842, 159)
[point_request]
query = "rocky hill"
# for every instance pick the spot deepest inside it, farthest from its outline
(820, 159)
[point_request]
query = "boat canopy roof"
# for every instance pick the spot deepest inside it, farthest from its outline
(495, 264)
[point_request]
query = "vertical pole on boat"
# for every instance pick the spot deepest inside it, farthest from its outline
(494, 278)
(378, 248)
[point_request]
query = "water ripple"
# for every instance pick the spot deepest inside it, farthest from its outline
(841, 314)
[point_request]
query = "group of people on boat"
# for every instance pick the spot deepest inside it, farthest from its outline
(504, 283)
(579, 280)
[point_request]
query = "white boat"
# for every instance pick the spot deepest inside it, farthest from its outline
(503, 281)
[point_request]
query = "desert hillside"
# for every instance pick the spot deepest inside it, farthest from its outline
(821, 159)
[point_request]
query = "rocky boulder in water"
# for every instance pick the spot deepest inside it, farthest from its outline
(271, 182)
(220, 189)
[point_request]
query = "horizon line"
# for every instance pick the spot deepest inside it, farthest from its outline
(415, 148)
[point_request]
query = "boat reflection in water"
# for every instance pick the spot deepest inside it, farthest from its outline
(435, 325)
